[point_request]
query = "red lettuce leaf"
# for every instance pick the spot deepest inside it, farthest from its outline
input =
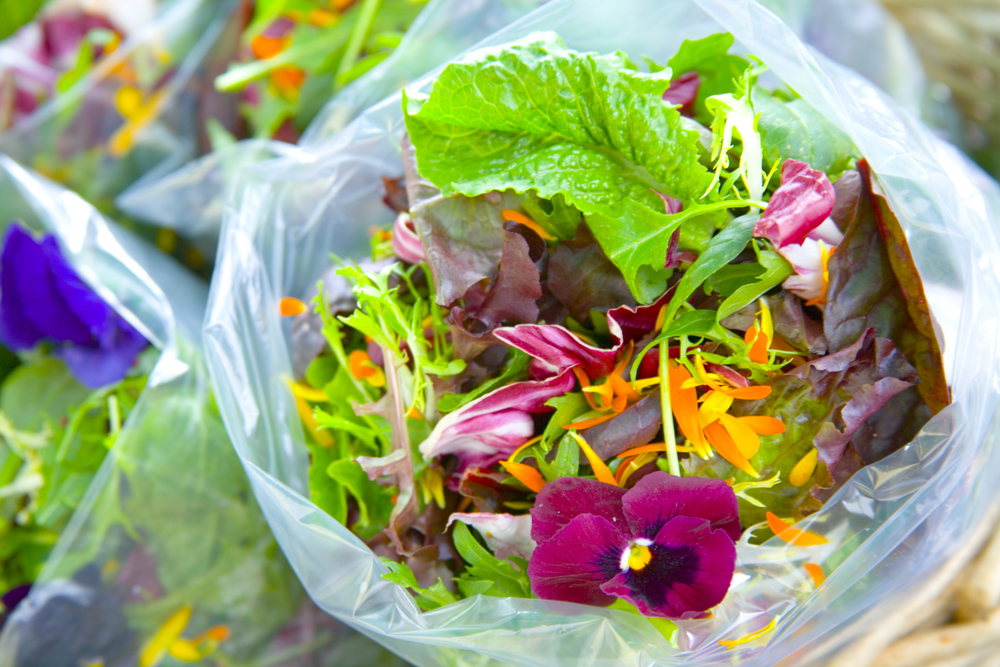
(874, 283)
(512, 298)
(582, 277)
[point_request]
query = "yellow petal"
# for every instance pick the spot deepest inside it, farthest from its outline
(168, 633)
(753, 636)
(309, 393)
(803, 470)
(185, 651)
(743, 435)
(129, 102)
(601, 470)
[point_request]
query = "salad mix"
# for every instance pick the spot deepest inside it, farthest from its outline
(62, 403)
(626, 318)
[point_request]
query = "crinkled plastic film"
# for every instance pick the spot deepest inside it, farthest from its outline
(174, 59)
(190, 200)
(889, 527)
(171, 486)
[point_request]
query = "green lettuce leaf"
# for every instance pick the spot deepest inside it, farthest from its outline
(716, 68)
(482, 567)
(427, 598)
(798, 131)
(537, 116)
(776, 269)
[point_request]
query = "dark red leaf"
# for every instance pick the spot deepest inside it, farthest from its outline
(582, 277)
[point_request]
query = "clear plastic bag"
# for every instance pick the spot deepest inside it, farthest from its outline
(889, 527)
(190, 200)
(81, 137)
(169, 523)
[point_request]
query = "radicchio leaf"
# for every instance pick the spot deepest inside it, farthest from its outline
(874, 283)
(582, 277)
(634, 427)
(512, 297)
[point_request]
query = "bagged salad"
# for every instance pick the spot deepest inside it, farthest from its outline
(117, 467)
(504, 356)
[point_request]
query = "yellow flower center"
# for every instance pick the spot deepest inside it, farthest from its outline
(639, 556)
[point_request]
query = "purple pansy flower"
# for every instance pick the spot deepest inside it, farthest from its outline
(43, 299)
(667, 545)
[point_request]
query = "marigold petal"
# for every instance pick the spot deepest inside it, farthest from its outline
(185, 651)
(584, 385)
(684, 405)
(750, 335)
(816, 572)
(764, 425)
(746, 440)
(360, 364)
(520, 218)
(802, 471)
(721, 442)
(642, 449)
(290, 306)
(758, 352)
(754, 393)
(525, 474)
(588, 423)
(601, 470)
(309, 393)
(322, 436)
(753, 636)
(168, 633)
(796, 536)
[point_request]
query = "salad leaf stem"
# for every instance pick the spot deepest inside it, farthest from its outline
(668, 420)
(366, 15)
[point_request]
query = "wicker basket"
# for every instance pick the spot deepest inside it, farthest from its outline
(959, 43)
(953, 618)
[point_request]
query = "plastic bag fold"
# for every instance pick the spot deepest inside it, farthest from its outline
(889, 527)
(169, 521)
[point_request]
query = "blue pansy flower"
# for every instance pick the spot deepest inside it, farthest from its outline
(43, 299)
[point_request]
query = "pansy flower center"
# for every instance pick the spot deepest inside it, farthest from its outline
(637, 556)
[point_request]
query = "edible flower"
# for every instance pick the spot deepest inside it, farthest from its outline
(730, 644)
(43, 299)
(405, 242)
(505, 535)
(137, 113)
(667, 545)
(796, 536)
(801, 204)
(168, 640)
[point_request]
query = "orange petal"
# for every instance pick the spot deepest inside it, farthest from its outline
(816, 572)
(510, 214)
(642, 449)
(750, 335)
(525, 474)
(267, 47)
(796, 536)
(721, 442)
(587, 423)
(754, 393)
(684, 405)
(622, 468)
(746, 440)
(758, 353)
(764, 425)
(605, 391)
(360, 364)
(623, 388)
(584, 384)
(290, 306)
(601, 470)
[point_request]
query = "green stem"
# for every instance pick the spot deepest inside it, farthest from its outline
(668, 416)
(366, 16)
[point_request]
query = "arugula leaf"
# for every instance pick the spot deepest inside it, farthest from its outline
(427, 598)
(482, 566)
(776, 269)
(568, 408)
(515, 367)
(796, 130)
(731, 277)
(724, 248)
(716, 68)
(500, 120)
(374, 501)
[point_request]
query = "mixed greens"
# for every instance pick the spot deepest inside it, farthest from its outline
(625, 318)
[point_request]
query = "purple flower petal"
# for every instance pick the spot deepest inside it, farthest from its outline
(657, 498)
(559, 502)
(690, 571)
(506, 535)
(496, 424)
(97, 367)
(16, 330)
(572, 565)
(557, 349)
(82, 301)
(804, 200)
(39, 294)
